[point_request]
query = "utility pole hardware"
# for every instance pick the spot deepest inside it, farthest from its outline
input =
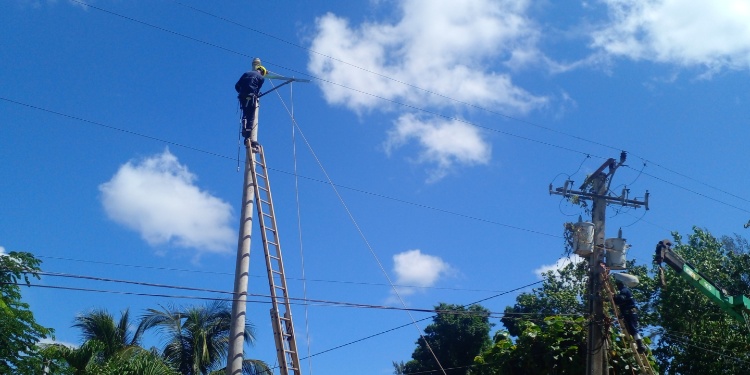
(595, 188)
(256, 187)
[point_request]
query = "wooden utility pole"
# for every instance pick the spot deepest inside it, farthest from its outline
(596, 362)
(595, 189)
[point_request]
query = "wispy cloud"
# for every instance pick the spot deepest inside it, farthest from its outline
(2, 251)
(443, 143)
(558, 265)
(461, 51)
(693, 33)
(415, 269)
(158, 198)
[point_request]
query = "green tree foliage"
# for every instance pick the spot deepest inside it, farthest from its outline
(456, 335)
(19, 331)
(697, 337)
(197, 338)
(110, 347)
(99, 325)
(86, 360)
(546, 329)
(195, 343)
(561, 294)
(552, 347)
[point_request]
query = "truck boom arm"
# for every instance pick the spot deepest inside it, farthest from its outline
(736, 306)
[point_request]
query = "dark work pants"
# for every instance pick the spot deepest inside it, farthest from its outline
(631, 322)
(248, 105)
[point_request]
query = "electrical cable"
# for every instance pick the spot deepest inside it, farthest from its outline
(330, 82)
(692, 179)
(264, 276)
(298, 301)
(695, 192)
(299, 227)
(409, 324)
(687, 341)
(395, 102)
(362, 234)
(277, 170)
(115, 128)
(390, 78)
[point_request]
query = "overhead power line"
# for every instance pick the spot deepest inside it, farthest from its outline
(395, 102)
(77, 118)
(265, 300)
(331, 82)
(319, 302)
(171, 269)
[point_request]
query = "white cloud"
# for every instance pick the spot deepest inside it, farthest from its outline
(412, 268)
(558, 265)
(443, 143)
(157, 198)
(437, 55)
(2, 251)
(713, 34)
(437, 45)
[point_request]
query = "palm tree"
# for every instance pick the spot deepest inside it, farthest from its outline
(80, 360)
(85, 360)
(108, 348)
(99, 325)
(196, 339)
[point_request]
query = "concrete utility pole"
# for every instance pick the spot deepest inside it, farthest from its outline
(599, 182)
(235, 355)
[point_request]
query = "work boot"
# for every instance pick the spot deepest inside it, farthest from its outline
(641, 347)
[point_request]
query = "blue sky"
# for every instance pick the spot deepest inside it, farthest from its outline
(441, 124)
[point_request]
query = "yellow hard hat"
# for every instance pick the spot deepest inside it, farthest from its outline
(262, 69)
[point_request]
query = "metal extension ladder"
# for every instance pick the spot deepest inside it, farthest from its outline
(641, 358)
(281, 313)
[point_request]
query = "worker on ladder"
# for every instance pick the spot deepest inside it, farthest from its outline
(248, 90)
(626, 304)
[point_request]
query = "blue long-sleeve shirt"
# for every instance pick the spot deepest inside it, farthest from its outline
(249, 83)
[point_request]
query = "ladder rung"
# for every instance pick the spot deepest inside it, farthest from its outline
(276, 272)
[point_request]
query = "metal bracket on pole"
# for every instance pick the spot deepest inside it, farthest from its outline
(287, 80)
(595, 188)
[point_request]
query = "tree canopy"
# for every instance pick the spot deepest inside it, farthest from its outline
(694, 336)
(20, 331)
(195, 340)
(456, 335)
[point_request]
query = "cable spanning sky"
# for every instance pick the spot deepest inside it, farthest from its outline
(441, 125)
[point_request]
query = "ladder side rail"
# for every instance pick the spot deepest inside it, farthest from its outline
(286, 348)
(641, 358)
(275, 322)
(282, 275)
